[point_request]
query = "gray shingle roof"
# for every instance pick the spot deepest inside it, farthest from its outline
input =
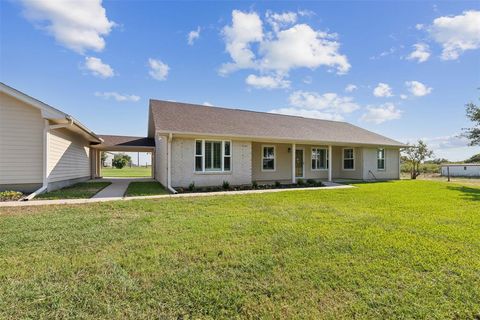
(126, 141)
(178, 117)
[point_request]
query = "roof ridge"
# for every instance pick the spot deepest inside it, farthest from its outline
(245, 110)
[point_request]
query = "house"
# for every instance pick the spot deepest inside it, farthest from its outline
(42, 148)
(461, 170)
(209, 145)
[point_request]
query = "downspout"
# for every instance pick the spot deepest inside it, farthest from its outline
(46, 131)
(169, 164)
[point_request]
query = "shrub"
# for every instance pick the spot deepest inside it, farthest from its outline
(121, 160)
(254, 185)
(191, 186)
(10, 195)
(225, 185)
(300, 182)
(277, 184)
(312, 182)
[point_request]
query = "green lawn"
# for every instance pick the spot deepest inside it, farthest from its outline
(391, 250)
(134, 172)
(145, 188)
(81, 190)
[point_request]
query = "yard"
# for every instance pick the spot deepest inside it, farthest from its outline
(404, 249)
(131, 172)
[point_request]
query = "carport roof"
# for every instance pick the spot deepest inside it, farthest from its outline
(110, 141)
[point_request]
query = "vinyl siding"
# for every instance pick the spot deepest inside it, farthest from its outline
(21, 142)
(183, 165)
(68, 156)
(391, 164)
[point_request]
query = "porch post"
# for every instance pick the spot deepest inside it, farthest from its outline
(293, 163)
(330, 164)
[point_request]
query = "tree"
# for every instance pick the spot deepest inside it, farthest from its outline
(415, 154)
(121, 160)
(473, 134)
(104, 158)
(473, 159)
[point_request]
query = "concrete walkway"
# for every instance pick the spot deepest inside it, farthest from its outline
(116, 190)
(329, 186)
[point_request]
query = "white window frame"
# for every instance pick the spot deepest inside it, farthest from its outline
(274, 158)
(222, 170)
(384, 159)
(343, 159)
(311, 158)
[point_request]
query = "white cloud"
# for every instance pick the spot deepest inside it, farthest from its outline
(280, 20)
(419, 26)
(245, 28)
(384, 54)
(403, 96)
(208, 104)
(329, 106)
(446, 142)
(284, 48)
(457, 34)
(308, 113)
(421, 52)
(307, 80)
(350, 88)
(77, 25)
(158, 69)
(267, 82)
(193, 35)
(98, 68)
(382, 90)
(385, 112)
(417, 88)
(117, 96)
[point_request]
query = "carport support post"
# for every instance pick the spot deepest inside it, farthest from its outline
(293, 163)
(330, 164)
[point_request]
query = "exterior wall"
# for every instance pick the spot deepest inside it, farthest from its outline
(183, 165)
(68, 156)
(462, 171)
(337, 169)
(161, 159)
(21, 143)
(283, 163)
(392, 169)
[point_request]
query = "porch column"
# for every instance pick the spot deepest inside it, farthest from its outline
(330, 164)
(293, 163)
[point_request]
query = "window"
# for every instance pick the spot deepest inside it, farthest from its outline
(212, 155)
(268, 158)
(381, 159)
(348, 159)
(319, 158)
(227, 156)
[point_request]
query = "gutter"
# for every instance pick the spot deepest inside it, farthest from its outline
(46, 132)
(169, 164)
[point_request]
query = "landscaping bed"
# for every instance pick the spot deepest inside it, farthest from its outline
(254, 186)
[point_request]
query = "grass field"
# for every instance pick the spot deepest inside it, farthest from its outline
(145, 188)
(81, 190)
(389, 250)
(133, 172)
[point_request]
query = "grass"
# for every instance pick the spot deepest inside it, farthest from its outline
(145, 188)
(134, 172)
(387, 250)
(466, 181)
(81, 190)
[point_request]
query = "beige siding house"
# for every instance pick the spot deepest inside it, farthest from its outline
(208, 145)
(41, 148)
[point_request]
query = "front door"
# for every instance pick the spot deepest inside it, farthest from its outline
(299, 163)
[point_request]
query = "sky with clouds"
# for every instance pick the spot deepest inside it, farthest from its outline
(403, 69)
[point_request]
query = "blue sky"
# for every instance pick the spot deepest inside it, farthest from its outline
(402, 69)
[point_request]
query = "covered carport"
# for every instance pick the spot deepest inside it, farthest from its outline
(121, 144)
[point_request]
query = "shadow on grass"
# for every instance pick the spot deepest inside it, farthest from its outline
(468, 193)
